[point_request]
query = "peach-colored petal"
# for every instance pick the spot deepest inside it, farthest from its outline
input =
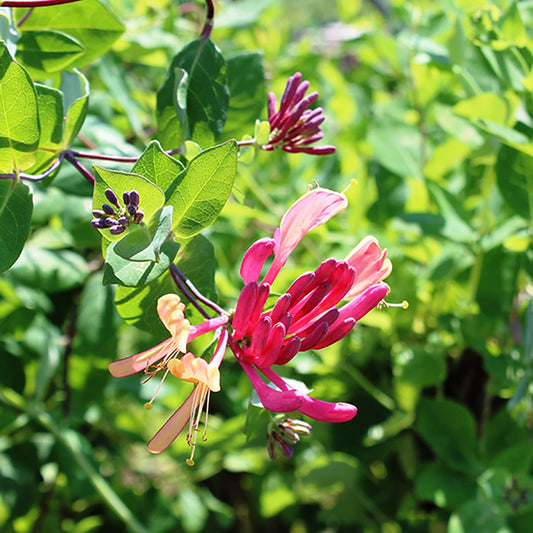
(172, 427)
(370, 263)
(170, 310)
(136, 363)
(195, 370)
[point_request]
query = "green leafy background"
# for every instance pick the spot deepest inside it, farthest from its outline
(429, 105)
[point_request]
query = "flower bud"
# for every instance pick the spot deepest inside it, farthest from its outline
(107, 209)
(138, 217)
(134, 198)
(112, 197)
(116, 230)
(126, 198)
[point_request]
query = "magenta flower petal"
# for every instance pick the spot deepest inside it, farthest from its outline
(370, 263)
(364, 303)
(272, 399)
(313, 209)
(255, 258)
(327, 411)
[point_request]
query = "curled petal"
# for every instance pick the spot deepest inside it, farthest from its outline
(170, 310)
(195, 370)
(369, 261)
(274, 400)
(255, 258)
(313, 209)
(172, 427)
(327, 411)
(136, 363)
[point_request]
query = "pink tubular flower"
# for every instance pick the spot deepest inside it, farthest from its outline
(307, 315)
(294, 127)
(165, 356)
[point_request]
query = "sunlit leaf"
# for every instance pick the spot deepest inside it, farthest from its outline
(48, 50)
(200, 192)
(15, 214)
(19, 119)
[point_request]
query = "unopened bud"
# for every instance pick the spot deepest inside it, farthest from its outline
(116, 230)
(123, 221)
(107, 209)
(98, 213)
(286, 449)
(132, 210)
(109, 222)
(134, 198)
(126, 198)
(138, 217)
(112, 197)
(98, 223)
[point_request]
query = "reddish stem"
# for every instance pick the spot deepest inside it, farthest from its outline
(35, 3)
(69, 156)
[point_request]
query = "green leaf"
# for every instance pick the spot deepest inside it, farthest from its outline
(418, 367)
(151, 196)
(207, 94)
(396, 146)
(51, 117)
(19, 118)
(46, 340)
(16, 207)
(50, 270)
(197, 261)
(156, 166)
(450, 430)
(113, 77)
(138, 305)
(498, 282)
(98, 320)
(75, 88)
(246, 83)
(48, 50)
(513, 171)
(88, 22)
(172, 120)
(477, 517)
(200, 192)
(129, 273)
(455, 226)
(444, 487)
(143, 242)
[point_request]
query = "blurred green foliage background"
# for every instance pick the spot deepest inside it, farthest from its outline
(430, 107)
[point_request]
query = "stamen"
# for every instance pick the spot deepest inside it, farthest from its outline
(383, 303)
(353, 181)
(148, 405)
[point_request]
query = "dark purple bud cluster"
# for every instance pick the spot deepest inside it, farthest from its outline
(116, 217)
(284, 433)
(294, 127)
(515, 495)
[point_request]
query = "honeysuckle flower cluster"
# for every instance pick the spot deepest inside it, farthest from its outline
(318, 309)
(115, 216)
(294, 127)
